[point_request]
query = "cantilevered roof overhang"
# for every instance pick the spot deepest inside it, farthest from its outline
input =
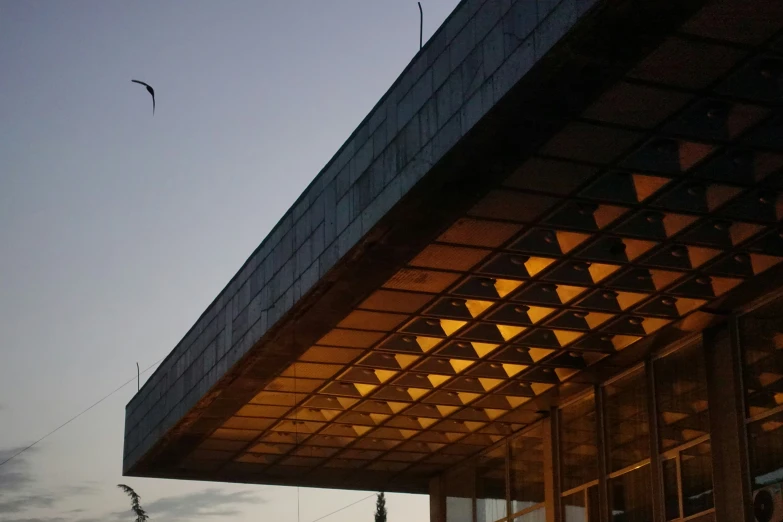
(548, 190)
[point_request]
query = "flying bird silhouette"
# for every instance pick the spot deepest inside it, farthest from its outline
(149, 90)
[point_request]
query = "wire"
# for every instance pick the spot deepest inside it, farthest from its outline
(344, 507)
(61, 426)
(64, 424)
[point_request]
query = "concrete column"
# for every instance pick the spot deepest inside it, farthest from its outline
(733, 501)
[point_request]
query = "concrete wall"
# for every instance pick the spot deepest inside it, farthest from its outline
(480, 52)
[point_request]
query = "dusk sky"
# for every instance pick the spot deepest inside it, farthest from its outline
(118, 228)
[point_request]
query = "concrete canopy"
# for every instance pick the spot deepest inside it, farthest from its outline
(549, 188)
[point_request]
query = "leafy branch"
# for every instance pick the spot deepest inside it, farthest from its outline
(141, 515)
(380, 508)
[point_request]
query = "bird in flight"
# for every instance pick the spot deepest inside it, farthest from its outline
(149, 90)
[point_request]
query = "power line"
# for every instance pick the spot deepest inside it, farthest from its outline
(344, 507)
(64, 424)
(61, 426)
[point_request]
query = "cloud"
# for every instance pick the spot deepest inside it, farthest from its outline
(36, 519)
(83, 489)
(16, 496)
(14, 475)
(21, 503)
(200, 504)
(20, 499)
(18, 493)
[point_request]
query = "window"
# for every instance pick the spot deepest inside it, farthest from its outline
(578, 444)
(628, 439)
(683, 432)
(761, 340)
(696, 479)
(630, 496)
(681, 397)
(527, 475)
(579, 461)
(765, 441)
(459, 486)
(628, 432)
(575, 507)
(537, 515)
(582, 506)
(671, 496)
(491, 486)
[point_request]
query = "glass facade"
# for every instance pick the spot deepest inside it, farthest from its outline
(682, 406)
(460, 491)
(696, 479)
(627, 426)
(579, 461)
(536, 515)
(761, 340)
(574, 507)
(578, 444)
(491, 486)
(527, 471)
(628, 441)
(630, 496)
(637, 448)
(505, 483)
(681, 397)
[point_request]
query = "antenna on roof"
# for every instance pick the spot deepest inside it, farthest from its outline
(138, 378)
(421, 25)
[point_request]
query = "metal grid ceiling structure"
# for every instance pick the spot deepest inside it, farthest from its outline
(662, 197)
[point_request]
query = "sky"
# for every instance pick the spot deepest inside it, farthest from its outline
(118, 228)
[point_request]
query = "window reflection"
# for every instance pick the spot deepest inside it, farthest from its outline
(683, 417)
(593, 504)
(582, 506)
(578, 448)
(575, 507)
(579, 460)
(671, 496)
(527, 471)
(628, 438)
(766, 450)
(761, 338)
(627, 428)
(538, 515)
(696, 471)
(459, 486)
(681, 397)
(491, 486)
(630, 496)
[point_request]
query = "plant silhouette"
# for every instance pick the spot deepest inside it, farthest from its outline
(141, 515)
(380, 508)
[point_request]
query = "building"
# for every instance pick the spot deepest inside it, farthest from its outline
(539, 282)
